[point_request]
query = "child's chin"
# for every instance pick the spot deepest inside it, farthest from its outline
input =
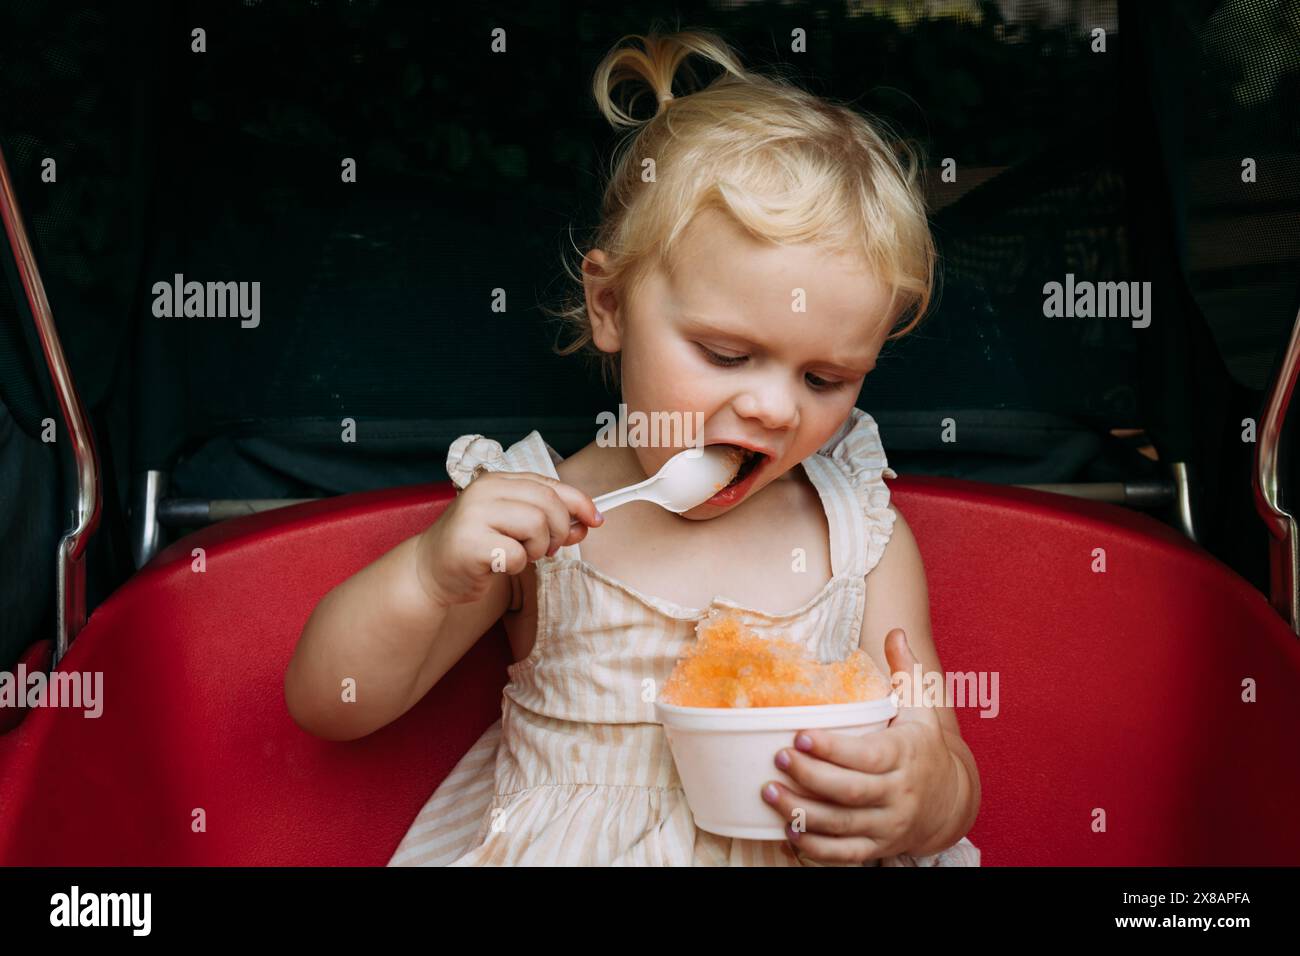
(706, 511)
(701, 513)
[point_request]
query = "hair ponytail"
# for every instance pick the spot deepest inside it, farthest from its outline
(655, 63)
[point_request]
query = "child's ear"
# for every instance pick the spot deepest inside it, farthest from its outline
(602, 303)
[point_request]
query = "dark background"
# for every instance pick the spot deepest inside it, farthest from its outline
(476, 171)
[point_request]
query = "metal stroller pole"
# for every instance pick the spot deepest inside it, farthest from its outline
(71, 569)
(1269, 484)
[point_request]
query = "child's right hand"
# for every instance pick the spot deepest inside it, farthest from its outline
(526, 515)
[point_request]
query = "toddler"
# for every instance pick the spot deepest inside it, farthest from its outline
(758, 245)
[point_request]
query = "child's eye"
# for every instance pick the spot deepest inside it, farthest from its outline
(817, 383)
(724, 360)
(823, 385)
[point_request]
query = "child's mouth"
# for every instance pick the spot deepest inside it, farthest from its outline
(751, 464)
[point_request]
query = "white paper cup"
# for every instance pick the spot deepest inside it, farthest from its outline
(725, 755)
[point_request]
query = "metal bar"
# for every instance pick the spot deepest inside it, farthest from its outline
(71, 584)
(1284, 549)
(1186, 511)
(146, 529)
(1133, 494)
(186, 512)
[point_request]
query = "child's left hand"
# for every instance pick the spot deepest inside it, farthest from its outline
(875, 795)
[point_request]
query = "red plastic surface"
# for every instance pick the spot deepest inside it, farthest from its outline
(1119, 692)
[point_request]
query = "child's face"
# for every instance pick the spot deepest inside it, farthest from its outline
(799, 372)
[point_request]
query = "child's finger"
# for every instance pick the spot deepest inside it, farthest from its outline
(848, 788)
(519, 520)
(578, 503)
(818, 816)
(880, 752)
(832, 849)
(551, 496)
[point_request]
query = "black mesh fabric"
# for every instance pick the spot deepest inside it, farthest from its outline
(1243, 238)
(29, 494)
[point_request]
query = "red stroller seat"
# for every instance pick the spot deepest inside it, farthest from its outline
(1118, 692)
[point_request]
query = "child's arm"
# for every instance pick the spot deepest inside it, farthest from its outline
(381, 629)
(376, 643)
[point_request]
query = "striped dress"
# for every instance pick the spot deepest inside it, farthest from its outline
(576, 771)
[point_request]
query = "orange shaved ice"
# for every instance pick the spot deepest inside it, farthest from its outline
(730, 666)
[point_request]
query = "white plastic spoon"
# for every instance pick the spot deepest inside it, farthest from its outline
(687, 479)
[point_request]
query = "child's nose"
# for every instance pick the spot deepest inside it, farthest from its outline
(771, 405)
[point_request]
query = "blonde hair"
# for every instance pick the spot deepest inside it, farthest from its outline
(786, 165)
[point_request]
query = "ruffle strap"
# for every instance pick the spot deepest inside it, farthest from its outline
(471, 454)
(857, 448)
